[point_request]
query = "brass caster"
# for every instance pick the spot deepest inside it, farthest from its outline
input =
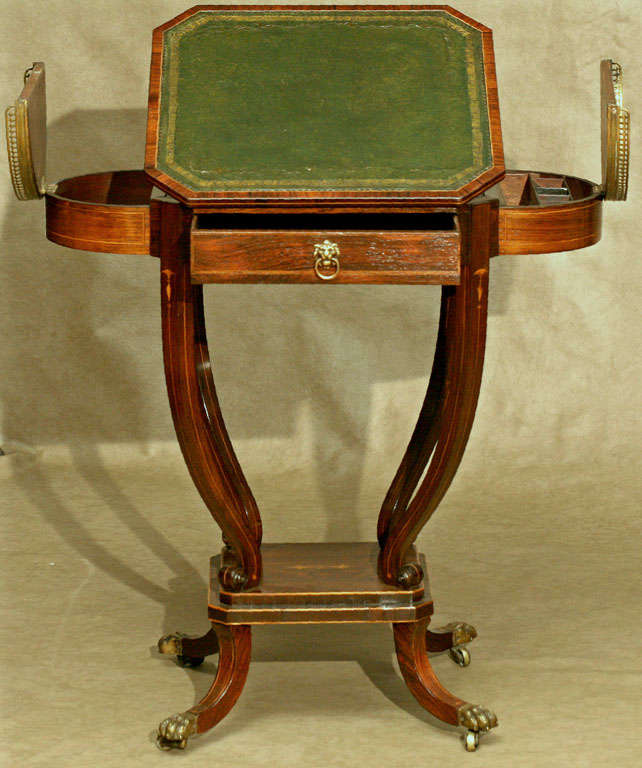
(476, 718)
(174, 731)
(166, 744)
(471, 740)
(172, 645)
(460, 655)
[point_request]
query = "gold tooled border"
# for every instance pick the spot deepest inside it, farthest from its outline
(174, 35)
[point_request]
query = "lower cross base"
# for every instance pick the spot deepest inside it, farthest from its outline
(320, 583)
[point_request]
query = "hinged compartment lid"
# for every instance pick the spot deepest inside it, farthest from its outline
(616, 129)
(26, 123)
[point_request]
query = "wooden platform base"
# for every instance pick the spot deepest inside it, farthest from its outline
(318, 583)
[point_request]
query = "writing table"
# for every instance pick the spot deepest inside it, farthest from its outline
(328, 145)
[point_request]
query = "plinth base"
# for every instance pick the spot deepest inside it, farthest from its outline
(314, 583)
(318, 583)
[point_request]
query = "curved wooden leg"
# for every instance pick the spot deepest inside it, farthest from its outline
(464, 339)
(235, 644)
(189, 651)
(199, 425)
(426, 430)
(410, 644)
(215, 418)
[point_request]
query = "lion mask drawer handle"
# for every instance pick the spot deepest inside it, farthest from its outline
(327, 258)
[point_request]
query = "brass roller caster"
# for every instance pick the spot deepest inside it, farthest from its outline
(460, 655)
(476, 720)
(471, 740)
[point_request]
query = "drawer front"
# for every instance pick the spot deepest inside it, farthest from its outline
(257, 256)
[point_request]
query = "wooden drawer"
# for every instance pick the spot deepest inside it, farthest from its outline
(230, 255)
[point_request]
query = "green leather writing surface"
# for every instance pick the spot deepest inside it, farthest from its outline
(323, 100)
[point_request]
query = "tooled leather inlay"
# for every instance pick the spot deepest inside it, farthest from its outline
(323, 100)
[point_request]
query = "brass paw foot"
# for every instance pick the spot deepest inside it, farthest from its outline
(452, 638)
(461, 632)
(477, 720)
(189, 651)
(174, 731)
(171, 644)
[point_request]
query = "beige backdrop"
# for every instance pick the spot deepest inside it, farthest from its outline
(106, 542)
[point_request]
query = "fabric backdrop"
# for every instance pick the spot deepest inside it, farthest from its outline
(106, 543)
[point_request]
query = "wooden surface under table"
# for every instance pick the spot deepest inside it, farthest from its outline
(317, 583)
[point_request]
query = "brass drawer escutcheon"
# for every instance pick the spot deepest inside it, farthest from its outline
(327, 257)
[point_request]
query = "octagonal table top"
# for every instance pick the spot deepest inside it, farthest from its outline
(323, 102)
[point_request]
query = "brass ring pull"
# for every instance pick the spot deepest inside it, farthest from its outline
(327, 257)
